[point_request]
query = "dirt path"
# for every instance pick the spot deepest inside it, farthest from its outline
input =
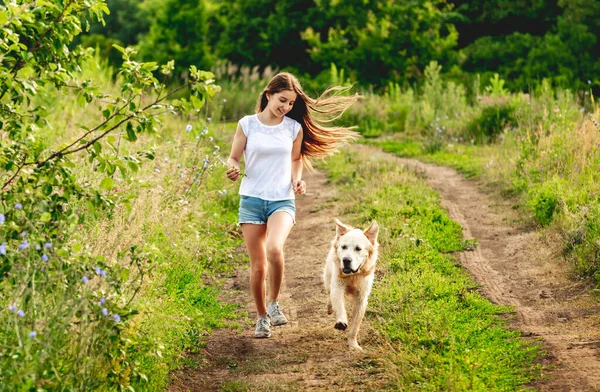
(513, 265)
(308, 354)
(516, 267)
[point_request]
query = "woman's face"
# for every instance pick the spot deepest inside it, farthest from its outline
(281, 103)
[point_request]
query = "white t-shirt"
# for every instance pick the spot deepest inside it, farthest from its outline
(268, 157)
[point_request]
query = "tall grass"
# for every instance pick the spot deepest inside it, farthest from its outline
(240, 89)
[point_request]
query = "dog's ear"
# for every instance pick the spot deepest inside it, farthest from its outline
(371, 232)
(341, 228)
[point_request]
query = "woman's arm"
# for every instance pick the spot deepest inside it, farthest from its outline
(237, 149)
(298, 185)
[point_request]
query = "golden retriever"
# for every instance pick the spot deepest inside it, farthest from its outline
(349, 269)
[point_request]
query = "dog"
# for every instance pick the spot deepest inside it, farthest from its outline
(349, 269)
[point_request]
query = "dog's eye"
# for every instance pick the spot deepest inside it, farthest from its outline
(358, 249)
(344, 247)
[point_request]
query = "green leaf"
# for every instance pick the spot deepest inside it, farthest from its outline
(124, 273)
(81, 100)
(25, 73)
(46, 217)
(196, 102)
(107, 184)
(131, 136)
(119, 48)
(47, 189)
(110, 168)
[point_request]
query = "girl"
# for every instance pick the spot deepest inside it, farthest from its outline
(277, 141)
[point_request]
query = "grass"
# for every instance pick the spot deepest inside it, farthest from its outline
(487, 162)
(441, 333)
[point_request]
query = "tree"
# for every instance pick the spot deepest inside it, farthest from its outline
(179, 32)
(566, 53)
(498, 18)
(267, 32)
(127, 22)
(382, 41)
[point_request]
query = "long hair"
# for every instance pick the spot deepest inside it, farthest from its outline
(319, 140)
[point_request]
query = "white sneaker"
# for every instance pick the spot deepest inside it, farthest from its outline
(275, 314)
(263, 327)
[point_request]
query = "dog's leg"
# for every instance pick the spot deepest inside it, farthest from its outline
(327, 283)
(337, 302)
(358, 311)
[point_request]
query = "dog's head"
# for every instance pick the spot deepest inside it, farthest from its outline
(355, 248)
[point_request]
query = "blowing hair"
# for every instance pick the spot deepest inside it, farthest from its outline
(319, 140)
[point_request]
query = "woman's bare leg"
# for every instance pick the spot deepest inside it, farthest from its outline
(255, 237)
(278, 229)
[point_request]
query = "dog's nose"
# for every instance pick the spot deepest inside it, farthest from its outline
(346, 261)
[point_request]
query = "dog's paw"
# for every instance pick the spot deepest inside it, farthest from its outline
(353, 345)
(329, 309)
(341, 326)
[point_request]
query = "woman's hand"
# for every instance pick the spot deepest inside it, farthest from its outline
(233, 173)
(299, 187)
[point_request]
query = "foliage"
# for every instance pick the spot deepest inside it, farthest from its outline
(435, 113)
(531, 43)
(491, 121)
(546, 154)
(376, 43)
(544, 202)
(266, 33)
(178, 32)
(380, 41)
(440, 101)
(501, 17)
(52, 288)
(128, 21)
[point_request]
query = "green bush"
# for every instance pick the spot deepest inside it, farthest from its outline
(543, 202)
(491, 122)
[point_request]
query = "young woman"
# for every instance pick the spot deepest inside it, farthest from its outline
(284, 134)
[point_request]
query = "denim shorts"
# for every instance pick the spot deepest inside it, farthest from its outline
(258, 211)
